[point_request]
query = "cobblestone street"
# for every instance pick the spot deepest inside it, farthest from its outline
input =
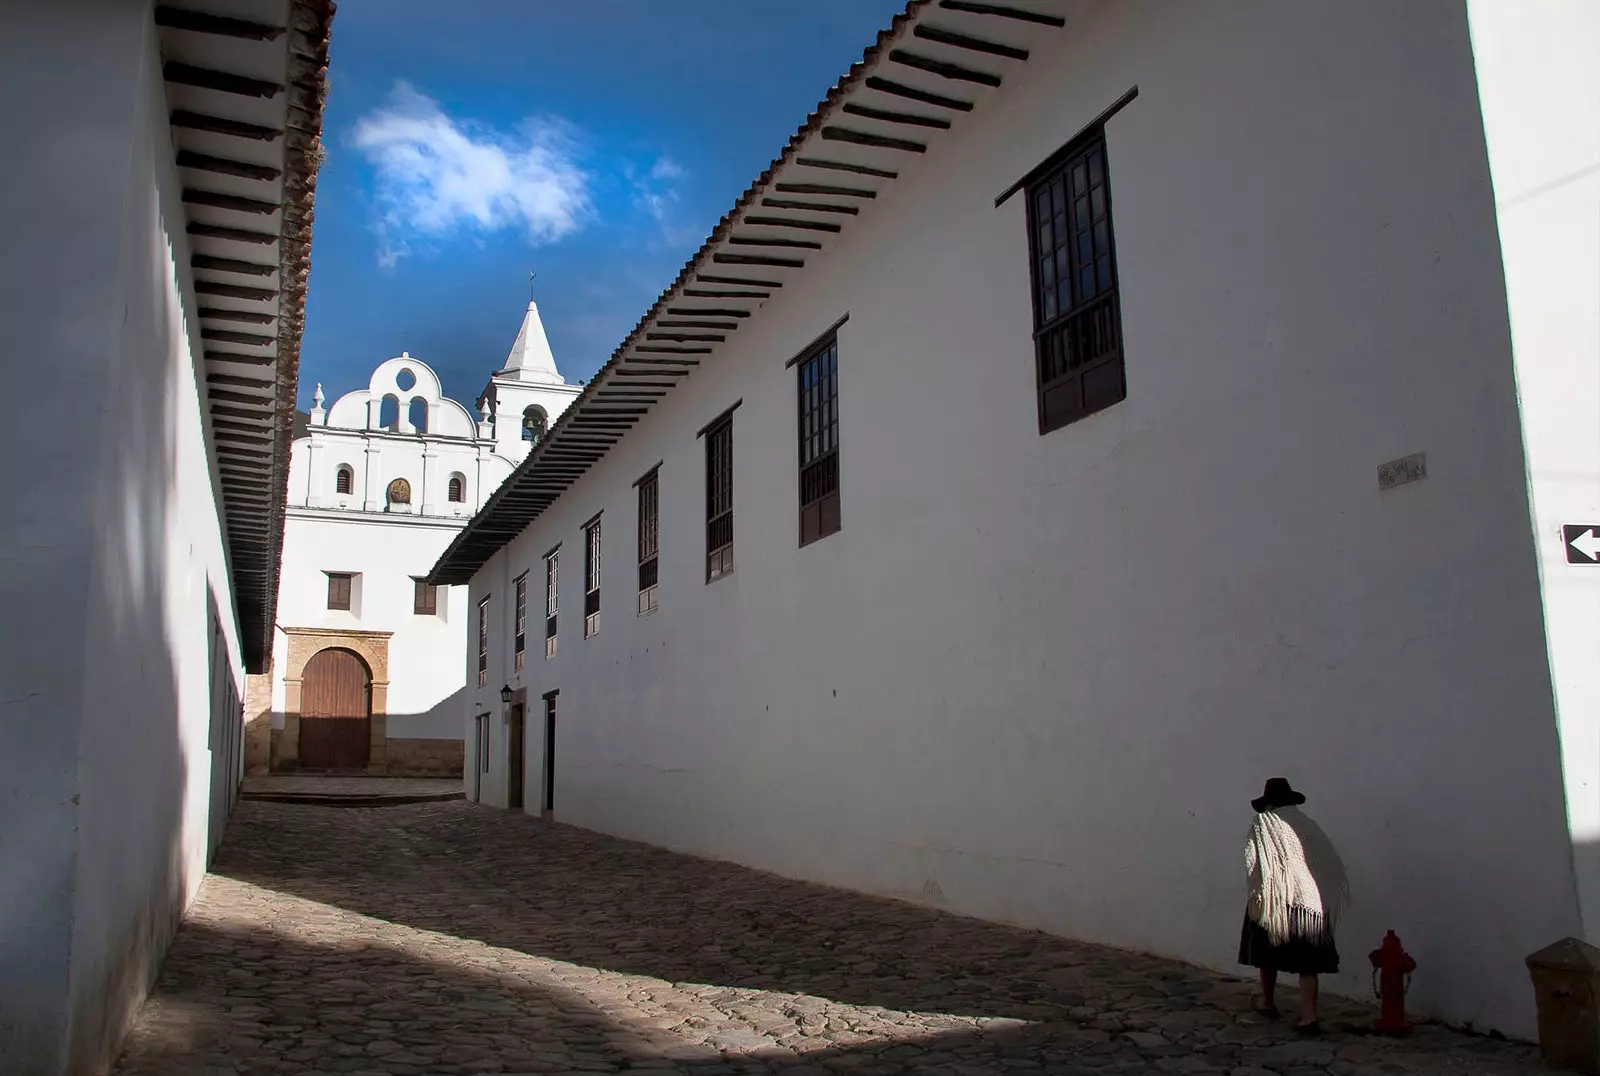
(449, 938)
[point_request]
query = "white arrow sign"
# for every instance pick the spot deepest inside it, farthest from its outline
(1587, 542)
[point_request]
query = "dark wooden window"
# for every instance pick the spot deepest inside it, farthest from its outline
(483, 641)
(344, 480)
(591, 578)
(649, 541)
(1076, 310)
(425, 600)
(458, 489)
(552, 573)
(339, 590)
(719, 499)
(522, 619)
(818, 382)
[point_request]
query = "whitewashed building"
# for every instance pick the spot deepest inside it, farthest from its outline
(152, 293)
(1096, 409)
(367, 656)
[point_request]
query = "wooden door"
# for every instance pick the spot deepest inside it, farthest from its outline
(547, 804)
(335, 709)
(516, 753)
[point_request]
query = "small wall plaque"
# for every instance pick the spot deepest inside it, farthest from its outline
(1406, 469)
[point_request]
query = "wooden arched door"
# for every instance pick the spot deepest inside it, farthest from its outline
(335, 711)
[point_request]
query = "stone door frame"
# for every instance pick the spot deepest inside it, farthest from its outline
(373, 647)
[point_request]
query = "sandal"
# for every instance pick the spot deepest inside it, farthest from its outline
(1270, 1012)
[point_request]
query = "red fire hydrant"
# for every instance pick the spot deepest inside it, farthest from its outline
(1391, 977)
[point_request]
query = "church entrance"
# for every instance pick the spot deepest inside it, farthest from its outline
(335, 711)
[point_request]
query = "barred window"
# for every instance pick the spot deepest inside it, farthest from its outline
(649, 541)
(552, 573)
(591, 577)
(1076, 307)
(483, 640)
(719, 499)
(456, 493)
(522, 619)
(818, 380)
(344, 479)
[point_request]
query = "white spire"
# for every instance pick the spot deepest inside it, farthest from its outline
(531, 358)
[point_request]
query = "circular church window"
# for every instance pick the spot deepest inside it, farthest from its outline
(405, 379)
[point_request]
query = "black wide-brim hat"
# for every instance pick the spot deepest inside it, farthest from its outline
(1277, 793)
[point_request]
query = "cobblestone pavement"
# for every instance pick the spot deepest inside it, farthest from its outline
(451, 938)
(353, 789)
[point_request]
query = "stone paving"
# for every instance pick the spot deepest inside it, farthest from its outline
(352, 791)
(448, 938)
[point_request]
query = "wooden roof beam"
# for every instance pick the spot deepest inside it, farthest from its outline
(846, 166)
(226, 166)
(207, 78)
(203, 22)
(941, 36)
(1001, 11)
(867, 138)
(943, 68)
(911, 93)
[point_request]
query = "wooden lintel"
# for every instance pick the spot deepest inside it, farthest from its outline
(218, 200)
(804, 223)
(231, 265)
(847, 166)
(810, 207)
(1020, 14)
(235, 291)
(199, 121)
(203, 22)
(208, 78)
(833, 133)
(908, 119)
(238, 235)
(911, 93)
(943, 68)
(941, 36)
(824, 188)
(758, 259)
(226, 166)
(250, 317)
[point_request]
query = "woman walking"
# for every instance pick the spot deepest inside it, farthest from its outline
(1296, 892)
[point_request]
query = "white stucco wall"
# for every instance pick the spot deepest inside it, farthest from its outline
(114, 555)
(1038, 679)
(1539, 77)
(425, 651)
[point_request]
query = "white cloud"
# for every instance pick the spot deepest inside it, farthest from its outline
(436, 175)
(657, 194)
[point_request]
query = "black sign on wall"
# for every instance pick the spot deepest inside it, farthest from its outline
(1582, 542)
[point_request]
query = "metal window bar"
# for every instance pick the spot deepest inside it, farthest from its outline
(483, 642)
(591, 570)
(552, 571)
(521, 619)
(719, 500)
(649, 532)
(1077, 316)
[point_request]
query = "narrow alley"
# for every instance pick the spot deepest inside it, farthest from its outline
(449, 938)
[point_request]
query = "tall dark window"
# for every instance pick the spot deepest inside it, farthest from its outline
(483, 641)
(457, 491)
(819, 442)
(1077, 315)
(719, 499)
(339, 590)
(552, 573)
(649, 541)
(591, 577)
(344, 479)
(425, 597)
(522, 619)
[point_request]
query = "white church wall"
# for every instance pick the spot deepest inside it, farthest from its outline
(387, 556)
(116, 562)
(1037, 679)
(1540, 85)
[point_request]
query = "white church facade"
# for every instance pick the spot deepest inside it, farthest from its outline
(1088, 416)
(367, 656)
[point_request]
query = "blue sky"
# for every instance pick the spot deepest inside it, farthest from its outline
(593, 141)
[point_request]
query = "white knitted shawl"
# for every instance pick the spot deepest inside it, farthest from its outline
(1297, 884)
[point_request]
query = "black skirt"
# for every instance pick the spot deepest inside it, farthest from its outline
(1297, 956)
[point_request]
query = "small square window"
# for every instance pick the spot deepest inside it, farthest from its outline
(339, 589)
(425, 599)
